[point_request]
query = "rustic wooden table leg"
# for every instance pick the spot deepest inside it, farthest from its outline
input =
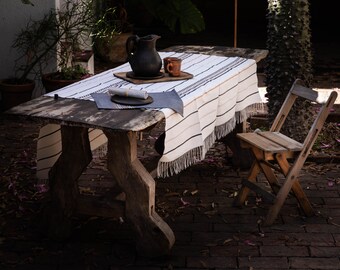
(63, 176)
(154, 236)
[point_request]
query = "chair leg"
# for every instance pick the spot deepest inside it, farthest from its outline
(290, 183)
(302, 199)
(256, 168)
(280, 199)
(296, 187)
(271, 178)
(267, 170)
(244, 191)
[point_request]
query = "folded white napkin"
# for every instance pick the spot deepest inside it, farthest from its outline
(141, 94)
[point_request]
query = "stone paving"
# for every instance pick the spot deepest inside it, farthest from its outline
(197, 204)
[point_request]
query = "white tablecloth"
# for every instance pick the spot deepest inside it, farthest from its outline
(223, 92)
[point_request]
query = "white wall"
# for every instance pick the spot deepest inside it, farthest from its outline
(14, 15)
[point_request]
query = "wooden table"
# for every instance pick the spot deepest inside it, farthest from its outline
(154, 236)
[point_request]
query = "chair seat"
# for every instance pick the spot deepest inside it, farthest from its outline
(273, 142)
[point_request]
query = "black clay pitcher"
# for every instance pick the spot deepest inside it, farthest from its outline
(142, 55)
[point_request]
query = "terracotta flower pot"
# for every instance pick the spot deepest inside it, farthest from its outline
(113, 49)
(13, 93)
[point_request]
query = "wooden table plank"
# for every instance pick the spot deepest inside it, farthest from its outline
(256, 54)
(84, 113)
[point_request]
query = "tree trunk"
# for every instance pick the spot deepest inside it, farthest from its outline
(289, 58)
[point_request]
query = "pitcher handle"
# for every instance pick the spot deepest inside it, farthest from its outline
(131, 45)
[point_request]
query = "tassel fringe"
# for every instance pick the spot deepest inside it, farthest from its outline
(166, 169)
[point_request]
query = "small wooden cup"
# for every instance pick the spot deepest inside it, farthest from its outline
(165, 63)
(172, 65)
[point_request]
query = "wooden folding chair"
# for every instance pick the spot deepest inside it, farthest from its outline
(272, 150)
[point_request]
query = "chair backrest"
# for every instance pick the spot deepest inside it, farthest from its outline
(299, 90)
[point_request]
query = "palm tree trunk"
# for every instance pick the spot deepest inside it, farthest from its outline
(290, 57)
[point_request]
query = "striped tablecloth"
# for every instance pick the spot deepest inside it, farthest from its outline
(223, 92)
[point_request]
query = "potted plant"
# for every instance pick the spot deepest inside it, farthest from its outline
(37, 44)
(76, 22)
(110, 46)
(14, 93)
(55, 39)
(177, 15)
(34, 45)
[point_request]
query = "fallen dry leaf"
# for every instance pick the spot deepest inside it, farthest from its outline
(227, 241)
(183, 202)
(194, 192)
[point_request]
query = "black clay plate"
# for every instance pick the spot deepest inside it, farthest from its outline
(131, 101)
(132, 76)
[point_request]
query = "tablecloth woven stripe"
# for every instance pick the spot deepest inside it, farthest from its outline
(223, 92)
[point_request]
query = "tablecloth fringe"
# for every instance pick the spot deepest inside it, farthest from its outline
(167, 169)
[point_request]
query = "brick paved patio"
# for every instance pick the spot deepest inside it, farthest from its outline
(197, 204)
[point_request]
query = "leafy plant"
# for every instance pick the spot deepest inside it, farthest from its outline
(35, 43)
(177, 12)
(105, 25)
(328, 140)
(75, 72)
(289, 58)
(177, 15)
(57, 36)
(112, 14)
